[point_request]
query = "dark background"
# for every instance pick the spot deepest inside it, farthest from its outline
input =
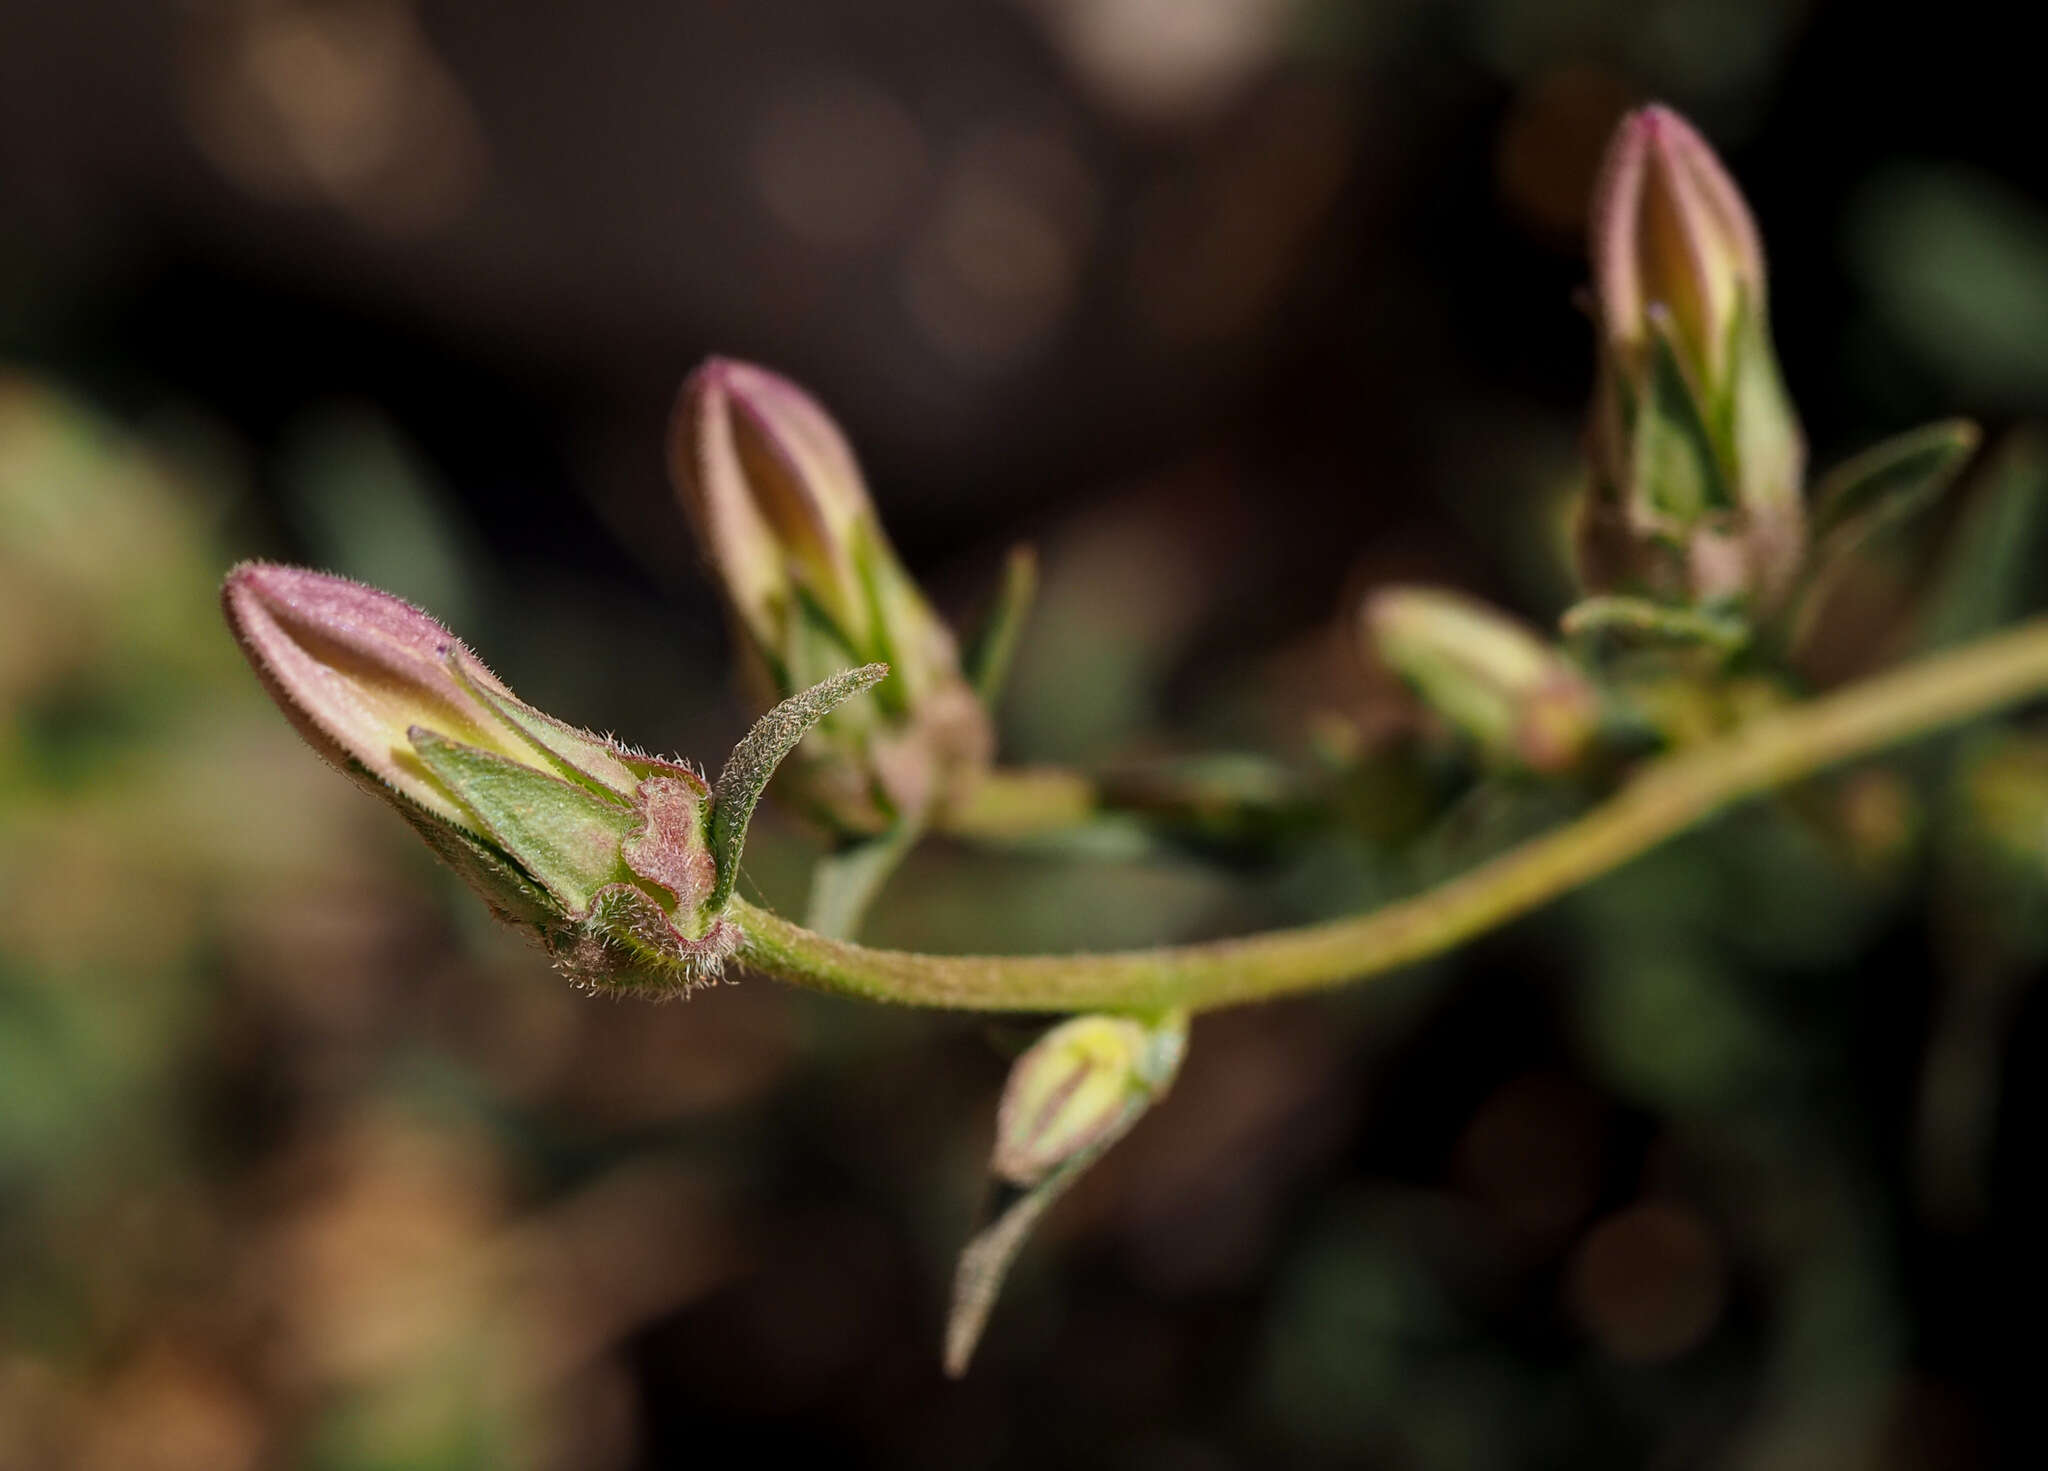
(1235, 308)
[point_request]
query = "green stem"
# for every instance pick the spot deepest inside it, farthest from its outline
(1215, 797)
(1663, 799)
(1022, 802)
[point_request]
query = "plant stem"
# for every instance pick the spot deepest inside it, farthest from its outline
(1022, 802)
(1661, 800)
(1217, 797)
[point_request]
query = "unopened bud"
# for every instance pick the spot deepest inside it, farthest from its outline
(773, 492)
(1698, 456)
(1073, 1094)
(1672, 237)
(601, 852)
(775, 496)
(1079, 1087)
(1520, 699)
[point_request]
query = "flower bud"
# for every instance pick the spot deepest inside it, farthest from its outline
(1672, 235)
(1516, 696)
(1073, 1094)
(1697, 454)
(600, 852)
(1080, 1085)
(777, 500)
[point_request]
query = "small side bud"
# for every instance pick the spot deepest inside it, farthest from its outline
(1076, 1087)
(777, 500)
(1073, 1093)
(1519, 699)
(602, 854)
(1698, 459)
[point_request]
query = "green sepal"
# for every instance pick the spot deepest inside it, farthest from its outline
(899, 620)
(1675, 470)
(1766, 450)
(988, 663)
(1612, 625)
(566, 836)
(576, 755)
(512, 896)
(754, 759)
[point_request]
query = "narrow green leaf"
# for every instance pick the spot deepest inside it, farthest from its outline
(562, 833)
(1991, 572)
(1869, 494)
(988, 666)
(985, 1261)
(1891, 481)
(754, 759)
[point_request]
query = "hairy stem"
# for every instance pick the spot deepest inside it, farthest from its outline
(1663, 799)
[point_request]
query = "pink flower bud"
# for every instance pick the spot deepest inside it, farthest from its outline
(1698, 459)
(774, 493)
(354, 669)
(1672, 234)
(601, 853)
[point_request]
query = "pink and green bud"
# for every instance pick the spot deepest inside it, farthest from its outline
(773, 492)
(602, 853)
(1070, 1096)
(1518, 698)
(776, 498)
(1079, 1088)
(1672, 239)
(1698, 458)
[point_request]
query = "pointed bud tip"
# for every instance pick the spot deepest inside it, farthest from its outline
(1669, 224)
(1657, 119)
(778, 406)
(255, 593)
(775, 496)
(354, 668)
(1663, 129)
